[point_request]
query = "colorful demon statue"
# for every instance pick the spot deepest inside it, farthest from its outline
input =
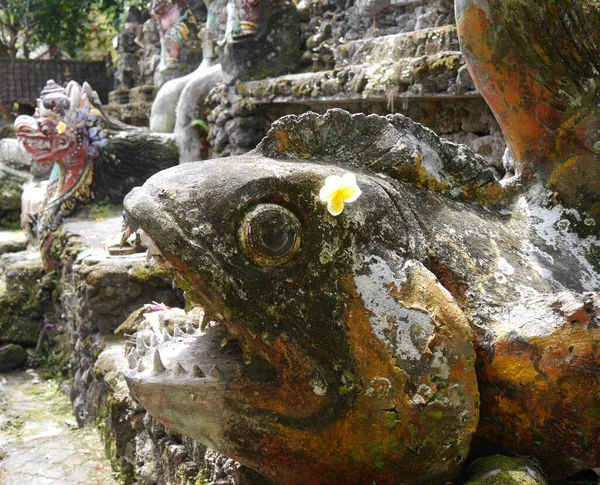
(92, 154)
(67, 129)
(242, 18)
(172, 18)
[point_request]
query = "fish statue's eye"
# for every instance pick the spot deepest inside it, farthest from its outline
(269, 235)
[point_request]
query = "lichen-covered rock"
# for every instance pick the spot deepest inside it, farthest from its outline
(506, 470)
(25, 296)
(12, 356)
(11, 189)
(545, 55)
(12, 242)
(355, 329)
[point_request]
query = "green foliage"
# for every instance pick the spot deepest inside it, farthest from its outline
(203, 125)
(67, 24)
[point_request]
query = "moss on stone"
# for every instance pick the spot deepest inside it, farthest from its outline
(505, 470)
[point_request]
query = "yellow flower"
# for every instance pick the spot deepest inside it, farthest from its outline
(60, 128)
(339, 190)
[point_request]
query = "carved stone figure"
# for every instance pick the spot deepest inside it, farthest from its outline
(93, 156)
(180, 100)
(171, 16)
(537, 65)
(344, 344)
(242, 19)
(262, 39)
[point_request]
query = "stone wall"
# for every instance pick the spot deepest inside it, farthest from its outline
(96, 293)
(365, 56)
(371, 56)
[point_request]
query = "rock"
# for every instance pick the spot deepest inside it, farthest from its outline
(12, 241)
(12, 356)
(25, 296)
(274, 49)
(506, 470)
(11, 188)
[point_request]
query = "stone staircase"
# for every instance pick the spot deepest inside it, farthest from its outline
(419, 73)
(418, 64)
(131, 106)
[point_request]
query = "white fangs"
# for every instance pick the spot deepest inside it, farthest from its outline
(177, 333)
(150, 343)
(159, 367)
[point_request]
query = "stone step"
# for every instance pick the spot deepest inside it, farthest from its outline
(429, 76)
(136, 114)
(142, 94)
(118, 96)
(395, 47)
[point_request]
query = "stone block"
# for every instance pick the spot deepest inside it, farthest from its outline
(12, 356)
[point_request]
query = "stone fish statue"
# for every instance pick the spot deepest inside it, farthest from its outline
(93, 155)
(343, 349)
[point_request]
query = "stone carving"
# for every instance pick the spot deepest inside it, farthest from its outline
(262, 39)
(242, 19)
(343, 349)
(545, 54)
(171, 16)
(165, 109)
(71, 131)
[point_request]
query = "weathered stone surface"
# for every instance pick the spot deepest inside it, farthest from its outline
(12, 356)
(544, 54)
(536, 378)
(273, 49)
(435, 242)
(25, 295)
(12, 241)
(10, 199)
(39, 444)
(506, 470)
(407, 395)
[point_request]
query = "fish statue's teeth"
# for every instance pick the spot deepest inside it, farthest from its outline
(141, 346)
(216, 372)
(165, 335)
(140, 366)
(153, 340)
(179, 370)
(177, 331)
(197, 372)
(132, 360)
(127, 231)
(189, 328)
(159, 367)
